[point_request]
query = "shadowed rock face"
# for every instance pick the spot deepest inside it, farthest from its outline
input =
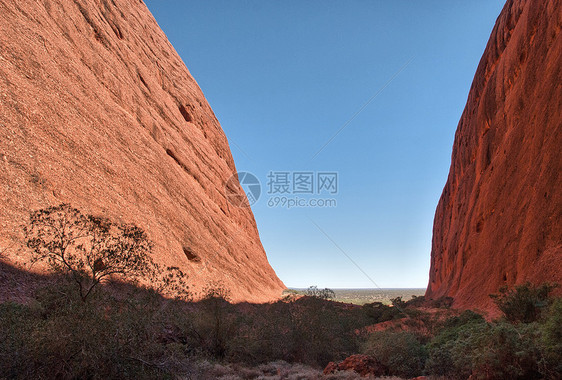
(98, 110)
(499, 220)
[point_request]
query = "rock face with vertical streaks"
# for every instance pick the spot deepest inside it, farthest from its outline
(499, 219)
(99, 111)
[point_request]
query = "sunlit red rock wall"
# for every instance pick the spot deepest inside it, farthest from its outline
(98, 110)
(499, 220)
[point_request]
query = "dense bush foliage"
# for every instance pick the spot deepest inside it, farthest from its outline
(524, 303)
(525, 344)
(485, 351)
(123, 331)
(69, 331)
(379, 312)
(402, 352)
(308, 330)
(60, 336)
(550, 363)
(133, 332)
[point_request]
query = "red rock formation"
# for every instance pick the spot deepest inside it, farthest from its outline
(364, 365)
(98, 110)
(499, 220)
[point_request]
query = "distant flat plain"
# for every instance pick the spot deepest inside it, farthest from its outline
(368, 295)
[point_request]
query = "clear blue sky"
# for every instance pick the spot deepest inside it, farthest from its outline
(284, 76)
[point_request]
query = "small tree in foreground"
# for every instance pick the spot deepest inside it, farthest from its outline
(90, 249)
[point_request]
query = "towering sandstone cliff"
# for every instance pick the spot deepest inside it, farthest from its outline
(98, 110)
(499, 220)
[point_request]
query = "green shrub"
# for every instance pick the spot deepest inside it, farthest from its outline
(551, 342)
(124, 331)
(402, 352)
(442, 360)
(505, 351)
(60, 336)
(321, 331)
(378, 312)
(214, 323)
(308, 330)
(16, 327)
(524, 303)
(465, 318)
(471, 346)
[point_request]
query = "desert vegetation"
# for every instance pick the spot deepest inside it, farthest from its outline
(364, 296)
(325, 294)
(130, 331)
(85, 322)
(90, 250)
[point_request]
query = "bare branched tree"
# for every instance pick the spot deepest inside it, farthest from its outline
(90, 249)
